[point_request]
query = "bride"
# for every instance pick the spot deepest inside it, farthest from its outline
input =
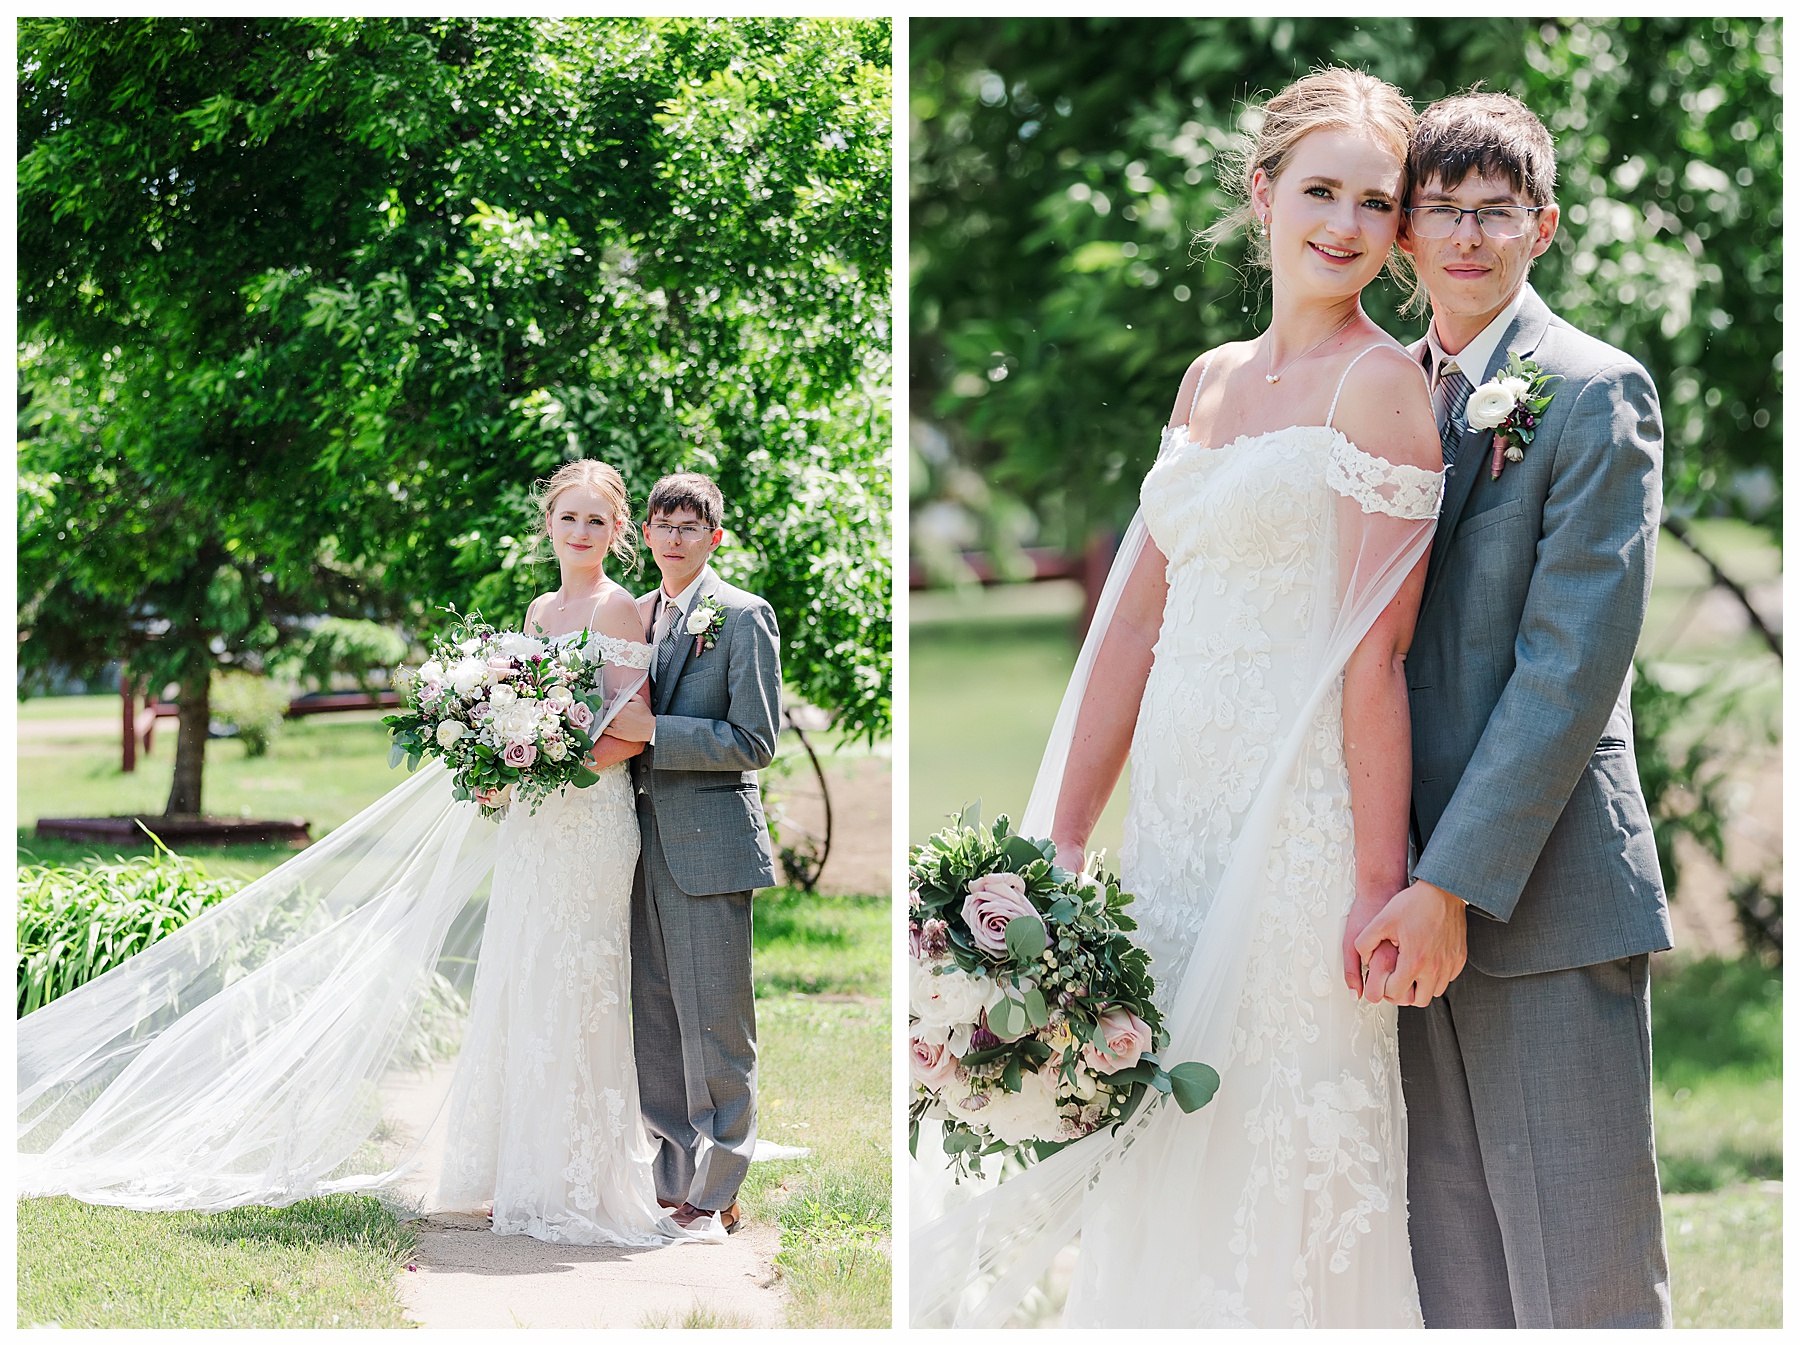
(1246, 658)
(295, 1040)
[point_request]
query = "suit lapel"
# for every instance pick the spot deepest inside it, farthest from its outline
(670, 666)
(1528, 328)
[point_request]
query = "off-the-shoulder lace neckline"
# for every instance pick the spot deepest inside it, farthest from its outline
(1180, 432)
(594, 635)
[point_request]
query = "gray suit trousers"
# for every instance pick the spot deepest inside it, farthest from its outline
(1531, 1171)
(693, 1018)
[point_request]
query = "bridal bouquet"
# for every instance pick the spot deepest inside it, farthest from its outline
(507, 712)
(1032, 1018)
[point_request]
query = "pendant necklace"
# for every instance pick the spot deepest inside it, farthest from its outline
(1273, 377)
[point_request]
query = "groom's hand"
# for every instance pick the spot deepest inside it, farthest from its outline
(1432, 932)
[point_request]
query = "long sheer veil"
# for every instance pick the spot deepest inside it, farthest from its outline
(295, 1040)
(972, 1264)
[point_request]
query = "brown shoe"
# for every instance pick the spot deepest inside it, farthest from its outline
(731, 1217)
(668, 1205)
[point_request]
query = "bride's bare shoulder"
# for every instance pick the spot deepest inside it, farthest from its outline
(1205, 365)
(618, 615)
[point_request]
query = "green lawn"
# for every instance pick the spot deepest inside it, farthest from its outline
(823, 1012)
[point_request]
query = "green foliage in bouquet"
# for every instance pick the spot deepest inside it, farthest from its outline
(478, 766)
(1063, 965)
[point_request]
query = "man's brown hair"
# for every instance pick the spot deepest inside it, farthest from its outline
(1493, 135)
(687, 490)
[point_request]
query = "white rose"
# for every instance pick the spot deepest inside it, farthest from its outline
(1515, 386)
(699, 620)
(502, 696)
(1489, 404)
(449, 732)
(521, 647)
(470, 645)
(555, 749)
(515, 723)
(560, 697)
(467, 674)
(1030, 1114)
(949, 997)
(431, 671)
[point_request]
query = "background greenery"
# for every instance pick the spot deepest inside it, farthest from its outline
(1061, 167)
(306, 304)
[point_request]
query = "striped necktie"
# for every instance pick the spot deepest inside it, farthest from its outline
(1452, 397)
(668, 618)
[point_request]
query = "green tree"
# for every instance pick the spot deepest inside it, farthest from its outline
(310, 302)
(1061, 168)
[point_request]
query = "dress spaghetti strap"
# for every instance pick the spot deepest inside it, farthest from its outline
(1200, 383)
(1345, 376)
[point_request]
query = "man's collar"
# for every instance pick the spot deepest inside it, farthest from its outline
(1474, 358)
(686, 596)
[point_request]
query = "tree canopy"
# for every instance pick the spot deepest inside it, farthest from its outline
(307, 304)
(1062, 167)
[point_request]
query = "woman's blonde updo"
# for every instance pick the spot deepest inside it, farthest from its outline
(1332, 99)
(600, 478)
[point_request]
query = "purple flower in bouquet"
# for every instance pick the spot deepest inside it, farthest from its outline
(994, 901)
(519, 754)
(581, 717)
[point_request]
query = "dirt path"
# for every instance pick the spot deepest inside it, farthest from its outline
(466, 1277)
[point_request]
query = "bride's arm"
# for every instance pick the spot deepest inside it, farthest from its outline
(1109, 707)
(1387, 407)
(619, 617)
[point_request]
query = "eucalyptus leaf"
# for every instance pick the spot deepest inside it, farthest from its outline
(1025, 937)
(1193, 1084)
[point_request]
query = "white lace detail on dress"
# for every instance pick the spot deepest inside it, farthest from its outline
(620, 653)
(1381, 487)
(1300, 1195)
(544, 1116)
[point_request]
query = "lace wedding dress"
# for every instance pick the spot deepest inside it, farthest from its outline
(544, 1121)
(1282, 1203)
(320, 1031)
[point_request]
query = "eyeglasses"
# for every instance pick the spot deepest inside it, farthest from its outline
(690, 532)
(1495, 221)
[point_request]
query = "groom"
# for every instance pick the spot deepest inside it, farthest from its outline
(710, 726)
(1532, 1184)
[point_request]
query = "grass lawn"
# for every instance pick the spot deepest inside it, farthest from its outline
(329, 1262)
(821, 984)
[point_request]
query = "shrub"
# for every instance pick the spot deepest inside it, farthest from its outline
(253, 705)
(354, 648)
(76, 923)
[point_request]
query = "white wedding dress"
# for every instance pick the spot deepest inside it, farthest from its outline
(320, 1032)
(1283, 1202)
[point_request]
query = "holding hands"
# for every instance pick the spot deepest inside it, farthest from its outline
(1409, 950)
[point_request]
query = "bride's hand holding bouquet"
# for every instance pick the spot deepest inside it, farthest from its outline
(510, 714)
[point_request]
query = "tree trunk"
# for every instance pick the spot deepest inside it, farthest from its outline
(190, 740)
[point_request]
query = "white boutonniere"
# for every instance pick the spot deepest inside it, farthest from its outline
(703, 623)
(1510, 405)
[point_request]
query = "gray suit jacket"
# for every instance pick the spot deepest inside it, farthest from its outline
(717, 717)
(1526, 802)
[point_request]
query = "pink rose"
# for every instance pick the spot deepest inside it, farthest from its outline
(480, 711)
(932, 1064)
(519, 754)
(1120, 1038)
(580, 716)
(500, 667)
(993, 900)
